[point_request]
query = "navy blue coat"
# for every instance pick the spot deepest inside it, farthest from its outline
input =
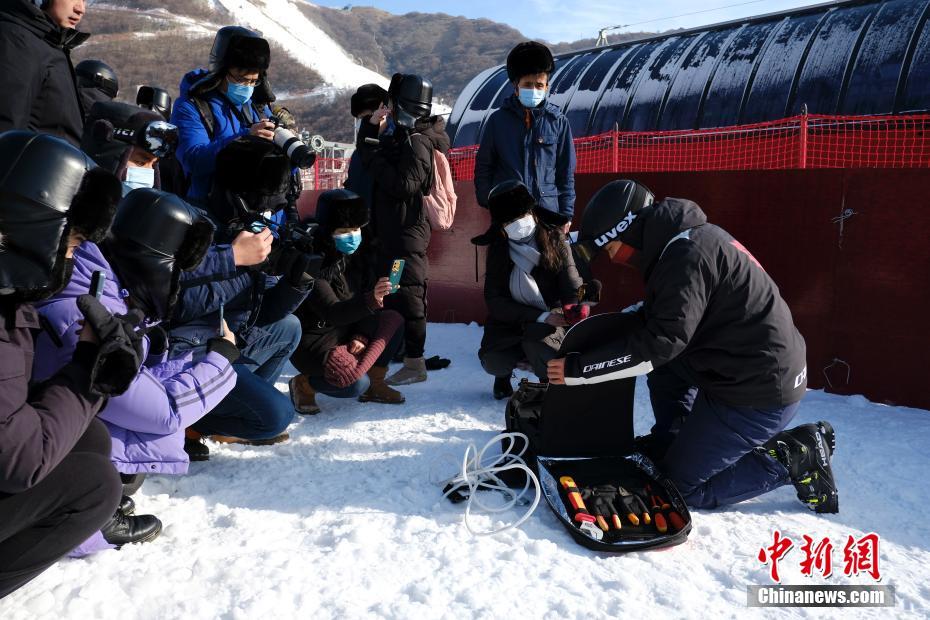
(542, 157)
(250, 299)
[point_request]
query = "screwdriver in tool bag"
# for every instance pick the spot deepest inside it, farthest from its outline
(584, 518)
(658, 503)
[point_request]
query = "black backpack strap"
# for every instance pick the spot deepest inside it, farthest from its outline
(206, 115)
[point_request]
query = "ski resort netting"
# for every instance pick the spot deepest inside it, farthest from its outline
(798, 142)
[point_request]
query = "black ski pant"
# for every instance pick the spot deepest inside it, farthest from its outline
(42, 524)
(712, 456)
(410, 302)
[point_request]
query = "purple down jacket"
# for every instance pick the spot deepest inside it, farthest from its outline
(147, 422)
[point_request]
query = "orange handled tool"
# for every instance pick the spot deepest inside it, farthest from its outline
(584, 518)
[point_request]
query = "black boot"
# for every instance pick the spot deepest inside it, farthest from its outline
(196, 449)
(122, 530)
(806, 451)
(502, 388)
(126, 506)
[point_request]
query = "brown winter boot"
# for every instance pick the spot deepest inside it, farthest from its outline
(378, 391)
(303, 395)
(414, 371)
(251, 442)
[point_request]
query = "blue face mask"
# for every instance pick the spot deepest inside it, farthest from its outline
(530, 97)
(347, 243)
(238, 93)
(137, 178)
(389, 127)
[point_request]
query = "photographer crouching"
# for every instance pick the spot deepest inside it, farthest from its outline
(254, 276)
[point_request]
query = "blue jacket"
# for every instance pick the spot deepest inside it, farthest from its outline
(542, 157)
(196, 151)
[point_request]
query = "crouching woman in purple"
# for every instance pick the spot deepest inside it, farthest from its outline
(154, 237)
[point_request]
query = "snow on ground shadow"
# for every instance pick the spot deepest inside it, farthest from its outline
(343, 521)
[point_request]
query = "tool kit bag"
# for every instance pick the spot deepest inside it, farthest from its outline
(581, 447)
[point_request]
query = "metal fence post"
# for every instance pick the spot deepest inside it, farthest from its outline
(802, 164)
(615, 149)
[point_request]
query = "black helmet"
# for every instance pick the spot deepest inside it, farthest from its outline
(529, 58)
(611, 215)
(47, 189)
(97, 74)
(413, 98)
(340, 208)
(155, 236)
(112, 127)
(235, 46)
(252, 177)
(155, 99)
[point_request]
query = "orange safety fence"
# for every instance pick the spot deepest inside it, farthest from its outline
(804, 141)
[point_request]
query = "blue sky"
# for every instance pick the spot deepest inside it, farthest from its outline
(569, 20)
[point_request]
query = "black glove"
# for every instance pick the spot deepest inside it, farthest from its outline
(158, 342)
(293, 265)
(633, 507)
(119, 356)
(600, 501)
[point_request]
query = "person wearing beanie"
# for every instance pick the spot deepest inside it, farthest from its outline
(529, 139)
(155, 236)
(37, 85)
(726, 367)
(531, 286)
(346, 332)
(217, 104)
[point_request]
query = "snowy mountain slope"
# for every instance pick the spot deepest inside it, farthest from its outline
(342, 522)
(281, 21)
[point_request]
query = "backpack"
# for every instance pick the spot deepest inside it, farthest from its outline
(441, 200)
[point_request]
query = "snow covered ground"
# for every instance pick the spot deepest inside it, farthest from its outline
(343, 522)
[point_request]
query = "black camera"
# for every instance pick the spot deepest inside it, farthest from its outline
(299, 153)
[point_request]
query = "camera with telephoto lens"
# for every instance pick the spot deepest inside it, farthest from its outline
(299, 153)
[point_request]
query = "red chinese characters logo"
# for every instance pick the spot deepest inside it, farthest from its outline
(860, 556)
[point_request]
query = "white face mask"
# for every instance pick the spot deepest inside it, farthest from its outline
(522, 228)
(137, 178)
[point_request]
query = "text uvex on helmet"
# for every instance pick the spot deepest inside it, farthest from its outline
(48, 189)
(155, 99)
(235, 46)
(611, 215)
(529, 58)
(340, 208)
(412, 97)
(155, 236)
(97, 74)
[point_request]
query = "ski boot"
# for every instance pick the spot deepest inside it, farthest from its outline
(806, 452)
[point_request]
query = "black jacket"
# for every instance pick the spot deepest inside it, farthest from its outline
(337, 309)
(37, 83)
(401, 170)
(711, 312)
(507, 318)
(41, 423)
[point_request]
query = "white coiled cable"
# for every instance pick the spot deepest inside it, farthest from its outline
(476, 474)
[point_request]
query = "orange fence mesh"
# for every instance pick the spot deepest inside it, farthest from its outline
(805, 141)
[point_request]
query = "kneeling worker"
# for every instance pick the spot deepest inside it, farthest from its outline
(726, 364)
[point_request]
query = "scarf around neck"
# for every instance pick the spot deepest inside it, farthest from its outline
(525, 256)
